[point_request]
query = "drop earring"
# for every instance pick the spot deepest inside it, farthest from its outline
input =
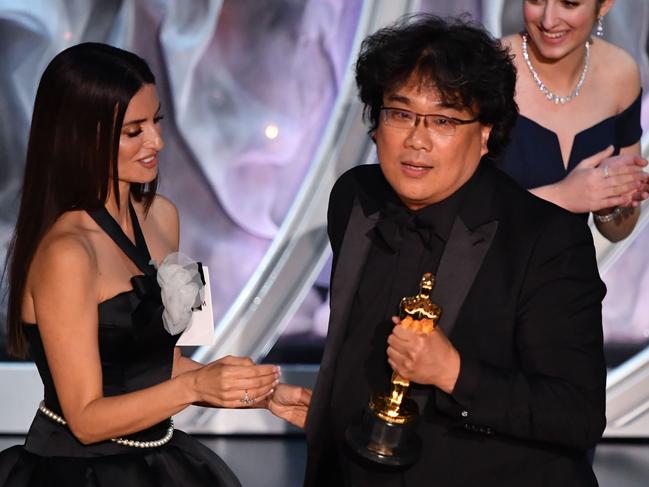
(599, 31)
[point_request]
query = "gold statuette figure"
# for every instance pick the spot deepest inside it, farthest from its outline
(386, 434)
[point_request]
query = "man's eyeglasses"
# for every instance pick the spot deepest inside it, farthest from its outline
(401, 118)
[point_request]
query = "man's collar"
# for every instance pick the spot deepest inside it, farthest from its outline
(475, 197)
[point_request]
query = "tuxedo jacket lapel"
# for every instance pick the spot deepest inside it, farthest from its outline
(469, 241)
(460, 263)
(346, 275)
(353, 252)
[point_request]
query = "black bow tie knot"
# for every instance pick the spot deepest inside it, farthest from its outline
(396, 221)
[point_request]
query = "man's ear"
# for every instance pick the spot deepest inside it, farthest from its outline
(484, 139)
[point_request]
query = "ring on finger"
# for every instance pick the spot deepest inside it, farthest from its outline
(246, 398)
(605, 171)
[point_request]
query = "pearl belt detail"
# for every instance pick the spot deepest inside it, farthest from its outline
(120, 441)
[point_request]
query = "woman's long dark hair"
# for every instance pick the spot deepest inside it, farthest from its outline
(72, 153)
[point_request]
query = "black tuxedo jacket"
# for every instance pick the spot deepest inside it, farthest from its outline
(521, 298)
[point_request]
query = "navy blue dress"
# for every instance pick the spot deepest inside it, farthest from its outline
(533, 157)
(136, 352)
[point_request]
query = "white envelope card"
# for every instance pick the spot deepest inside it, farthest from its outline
(200, 330)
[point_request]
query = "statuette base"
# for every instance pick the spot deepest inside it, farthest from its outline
(383, 438)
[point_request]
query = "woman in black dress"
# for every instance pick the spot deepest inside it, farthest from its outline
(84, 297)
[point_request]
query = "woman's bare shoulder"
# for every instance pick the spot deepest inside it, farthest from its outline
(613, 53)
(513, 44)
(162, 208)
(66, 249)
(511, 41)
(162, 221)
(621, 72)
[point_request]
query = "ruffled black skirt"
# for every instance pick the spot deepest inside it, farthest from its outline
(52, 457)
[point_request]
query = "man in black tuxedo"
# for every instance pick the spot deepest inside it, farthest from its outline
(511, 385)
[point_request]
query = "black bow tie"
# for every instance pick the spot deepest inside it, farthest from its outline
(398, 220)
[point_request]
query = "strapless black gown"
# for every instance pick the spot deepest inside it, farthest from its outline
(136, 352)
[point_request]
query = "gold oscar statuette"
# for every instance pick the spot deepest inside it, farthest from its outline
(386, 433)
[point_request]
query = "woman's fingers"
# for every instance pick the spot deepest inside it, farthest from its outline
(628, 174)
(223, 383)
(603, 182)
(259, 393)
(241, 394)
(266, 382)
(620, 190)
(627, 187)
(640, 196)
(612, 202)
(247, 396)
(232, 360)
(230, 371)
(241, 400)
(305, 395)
(250, 372)
(635, 173)
(624, 162)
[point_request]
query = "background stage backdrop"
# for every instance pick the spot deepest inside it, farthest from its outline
(260, 104)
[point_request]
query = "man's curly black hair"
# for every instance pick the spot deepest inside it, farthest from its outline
(467, 66)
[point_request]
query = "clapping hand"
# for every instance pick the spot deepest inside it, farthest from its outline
(291, 403)
(235, 382)
(601, 182)
(624, 164)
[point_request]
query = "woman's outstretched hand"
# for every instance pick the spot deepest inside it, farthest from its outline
(234, 382)
(601, 182)
(291, 403)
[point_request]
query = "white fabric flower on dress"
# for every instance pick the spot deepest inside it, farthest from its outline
(181, 290)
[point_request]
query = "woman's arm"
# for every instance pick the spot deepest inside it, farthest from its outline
(165, 216)
(65, 299)
(623, 224)
(183, 364)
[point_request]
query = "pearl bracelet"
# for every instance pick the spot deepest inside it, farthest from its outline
(120, 441)
(609, 217)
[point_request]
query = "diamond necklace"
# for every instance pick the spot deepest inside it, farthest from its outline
(558, 100)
